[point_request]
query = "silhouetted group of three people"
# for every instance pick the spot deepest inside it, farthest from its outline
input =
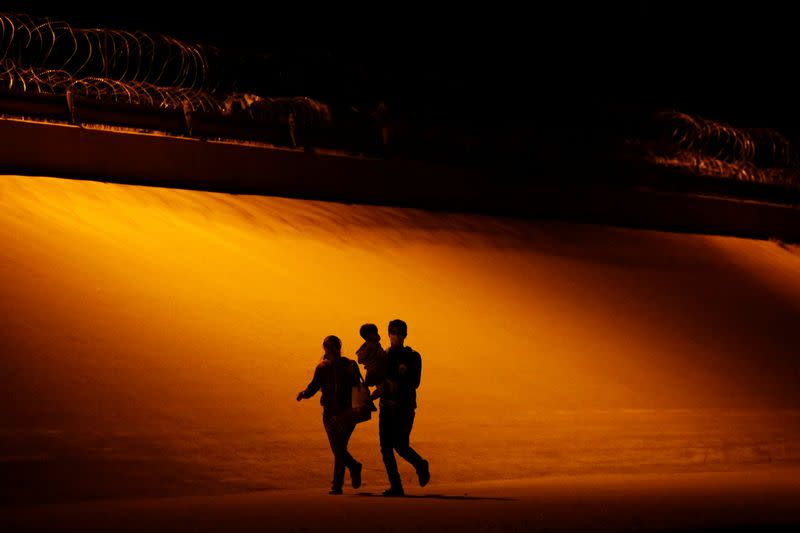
(395, 374)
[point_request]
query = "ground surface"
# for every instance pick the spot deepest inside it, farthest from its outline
(757, 501)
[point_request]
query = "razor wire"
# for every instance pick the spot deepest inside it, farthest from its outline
(724, 142)
(52, 57)
(127, 56)
(135, 67)
(139, 93)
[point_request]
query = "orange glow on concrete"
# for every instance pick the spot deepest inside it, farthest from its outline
(190, 319)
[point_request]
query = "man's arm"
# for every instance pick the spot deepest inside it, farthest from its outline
(377, 393)
(416, 376)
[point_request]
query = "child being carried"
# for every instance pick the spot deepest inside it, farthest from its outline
(372, 355)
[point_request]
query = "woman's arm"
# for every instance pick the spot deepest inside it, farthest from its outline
(312, 387)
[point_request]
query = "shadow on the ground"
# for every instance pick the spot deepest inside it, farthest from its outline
(438, 497)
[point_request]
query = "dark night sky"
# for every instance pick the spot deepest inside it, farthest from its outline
(729, 62)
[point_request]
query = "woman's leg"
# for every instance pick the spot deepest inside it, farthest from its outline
(332, 430)
(347, 429)
(339, 431)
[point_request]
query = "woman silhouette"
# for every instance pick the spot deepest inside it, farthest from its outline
(336, 376)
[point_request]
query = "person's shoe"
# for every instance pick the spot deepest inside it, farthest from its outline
(424, 474)
(394, 492)
(335, 490)
(355, 475)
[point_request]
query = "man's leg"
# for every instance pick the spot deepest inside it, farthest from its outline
(405, 423)
(386, 432)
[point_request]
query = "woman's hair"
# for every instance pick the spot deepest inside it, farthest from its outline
(332, 344)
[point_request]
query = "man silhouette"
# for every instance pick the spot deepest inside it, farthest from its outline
(398, 405)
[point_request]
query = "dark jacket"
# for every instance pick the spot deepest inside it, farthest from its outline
(336, 377)
(404, 371)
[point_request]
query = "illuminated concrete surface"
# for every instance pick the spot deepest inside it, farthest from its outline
(153, 341)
